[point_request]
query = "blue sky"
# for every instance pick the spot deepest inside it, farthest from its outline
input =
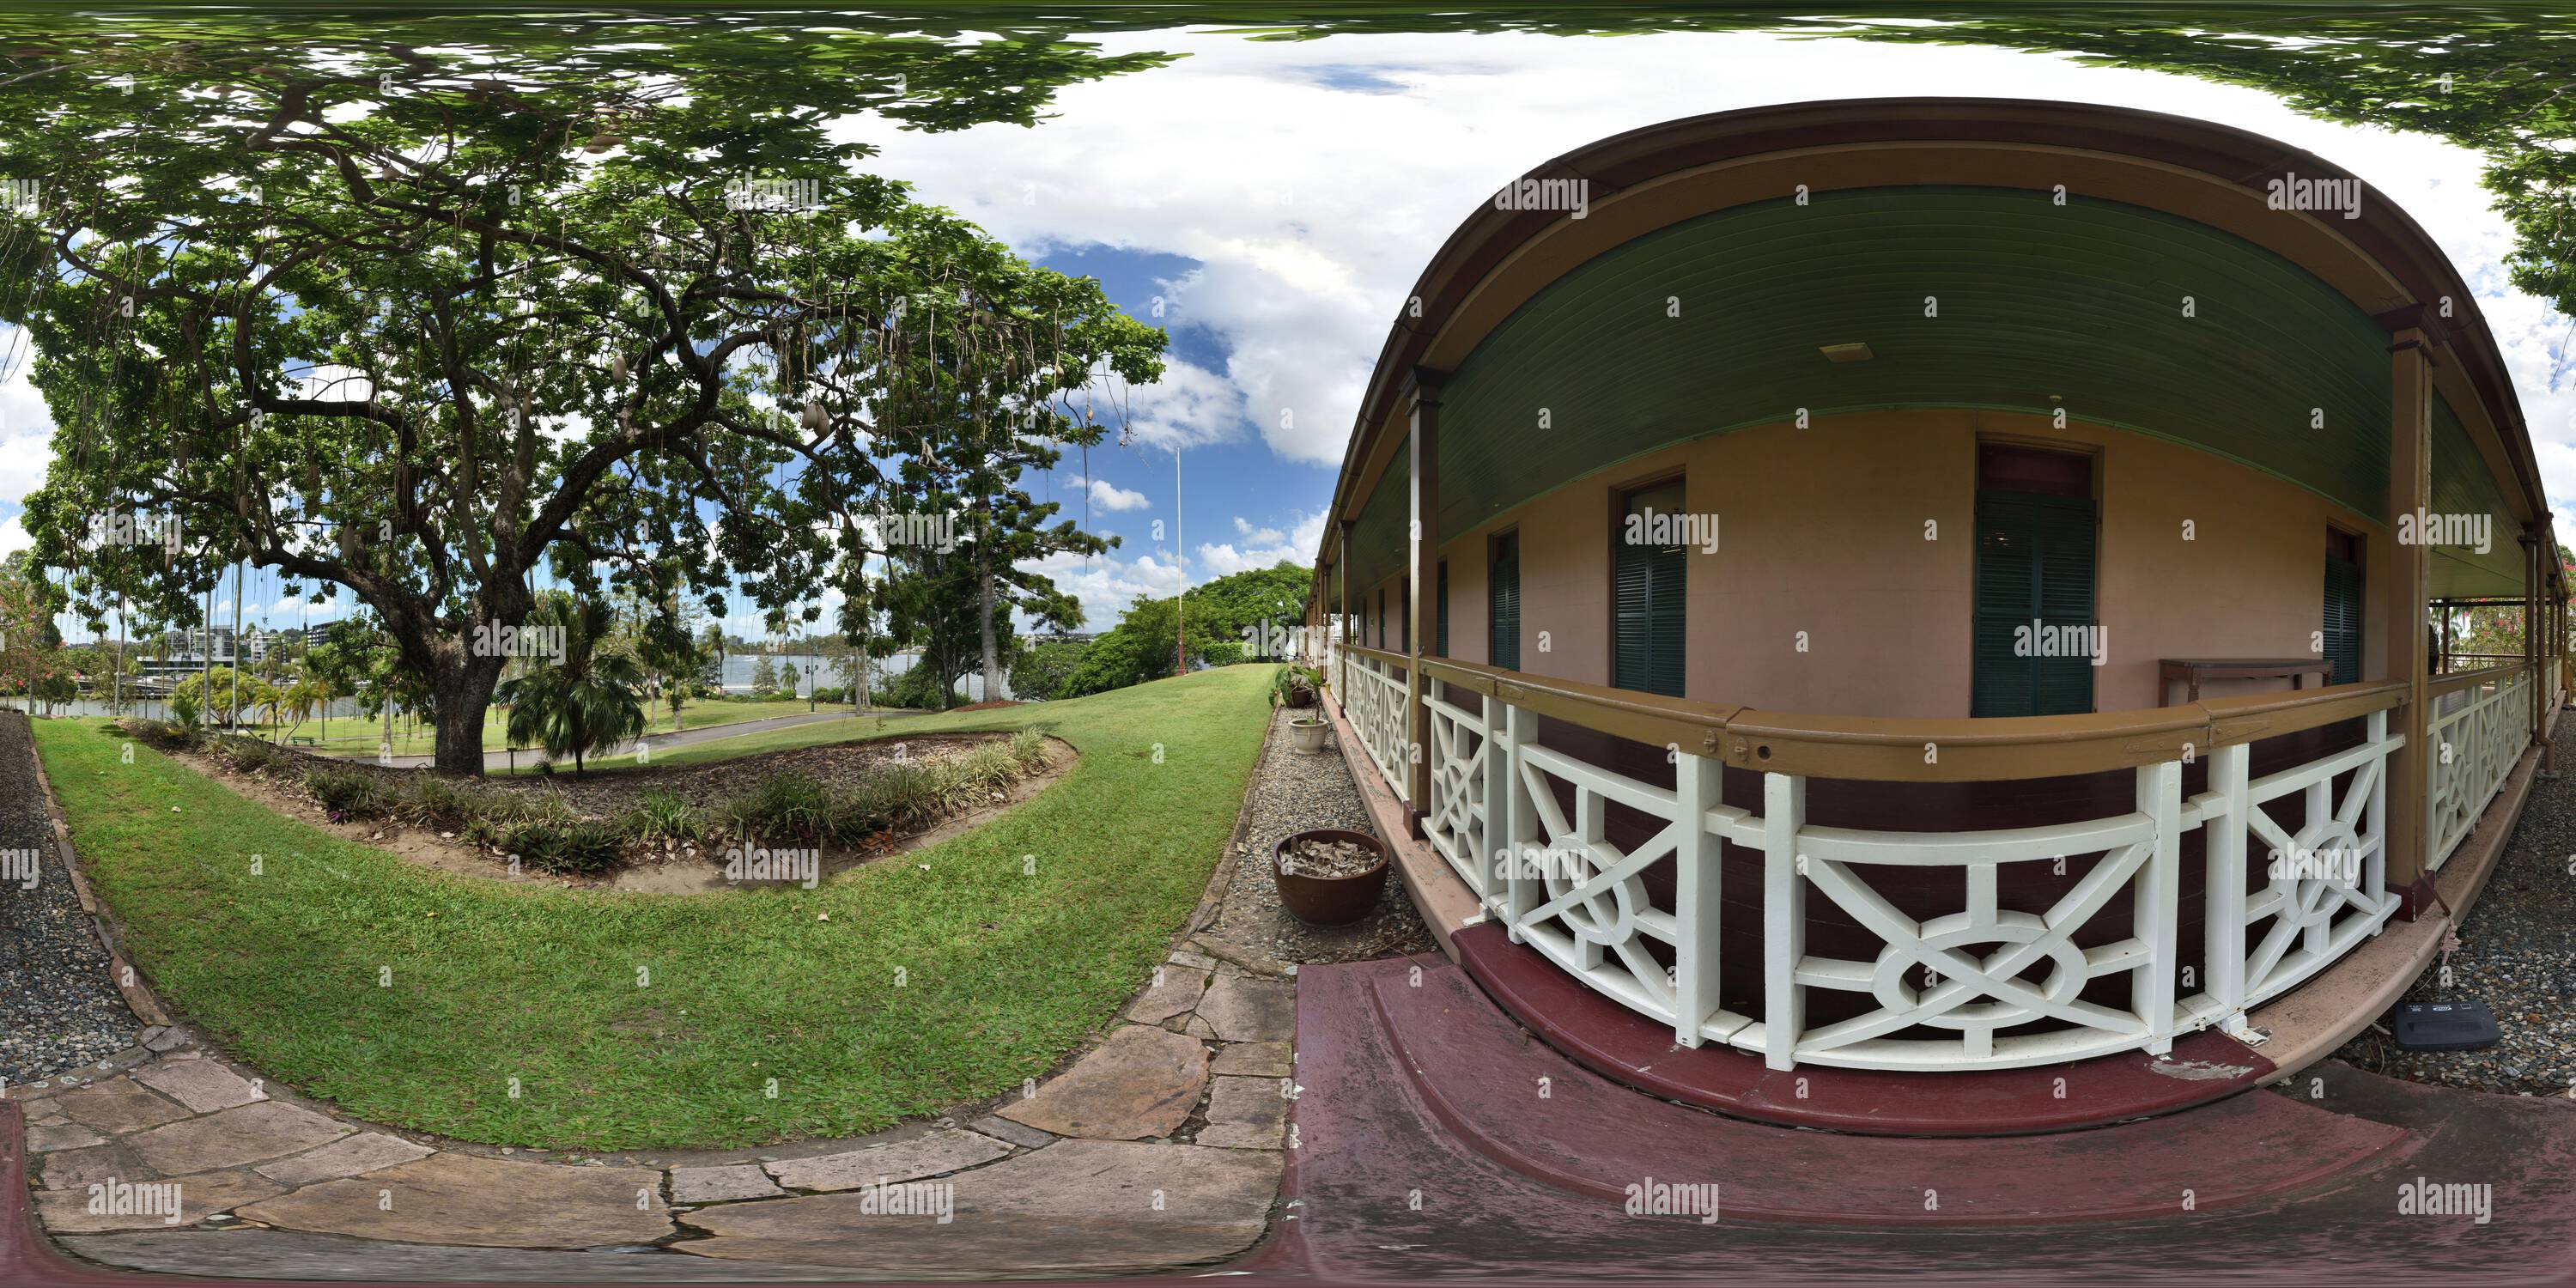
(1279, 198)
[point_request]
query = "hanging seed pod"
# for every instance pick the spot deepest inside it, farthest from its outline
(602, 142)
(348, 540)
(617, 367)
(312, 477)
(816, 419)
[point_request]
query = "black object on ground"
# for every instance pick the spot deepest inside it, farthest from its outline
(2444, 1026)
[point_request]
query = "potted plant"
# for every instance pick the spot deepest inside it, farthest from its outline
(1295, 686)
(1308, 732)
(1329, 876)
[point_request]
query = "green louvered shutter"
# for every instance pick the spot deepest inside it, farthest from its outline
(1440, 614)
(2343, 620)
(1503, 604)
(2034, 568)
(1646, 594)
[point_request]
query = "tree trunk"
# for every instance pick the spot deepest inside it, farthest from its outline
(984, 591)
(464, 696)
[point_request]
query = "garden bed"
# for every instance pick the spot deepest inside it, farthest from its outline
(793, 817)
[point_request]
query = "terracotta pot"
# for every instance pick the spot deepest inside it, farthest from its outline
(1329, 901)
(1308, 733)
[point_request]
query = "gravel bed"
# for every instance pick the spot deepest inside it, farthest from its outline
(58, 1008)
(1294, 791)
(2517, 954)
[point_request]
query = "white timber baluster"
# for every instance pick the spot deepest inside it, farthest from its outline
(1784, 918)
(2223, 900)
(1502, 775)
(1697, 784)
(2156, 898)
(1523, 892)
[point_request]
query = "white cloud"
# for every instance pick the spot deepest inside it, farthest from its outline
(13, 536)
(1264, 547)
(1110, 496)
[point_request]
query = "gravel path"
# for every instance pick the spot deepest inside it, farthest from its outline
(2518, 955)
(1294, 791)
(57, 1006)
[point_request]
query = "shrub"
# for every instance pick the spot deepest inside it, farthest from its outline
(781, 805)
(661, 817)
(349, 793)
(831, 697)
(249, 755)
(164, 734)
(580, 848)
(432, 801)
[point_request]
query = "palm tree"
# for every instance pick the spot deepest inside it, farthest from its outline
(587, 699)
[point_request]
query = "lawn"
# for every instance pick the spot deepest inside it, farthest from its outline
(420, 999)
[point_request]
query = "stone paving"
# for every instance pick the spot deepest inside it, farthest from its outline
(1159, 1147)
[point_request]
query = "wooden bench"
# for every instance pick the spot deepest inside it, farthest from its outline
(2191, 671)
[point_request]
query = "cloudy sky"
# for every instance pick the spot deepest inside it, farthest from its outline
(1273, 202)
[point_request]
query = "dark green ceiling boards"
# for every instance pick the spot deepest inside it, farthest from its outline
(2083, 302)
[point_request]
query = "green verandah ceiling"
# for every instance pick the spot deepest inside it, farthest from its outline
(2083, 301)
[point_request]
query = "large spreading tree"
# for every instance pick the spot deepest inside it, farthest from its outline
(421, 323)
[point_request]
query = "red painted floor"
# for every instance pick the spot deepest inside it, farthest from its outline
(1621, 1044)
(1428, 1148)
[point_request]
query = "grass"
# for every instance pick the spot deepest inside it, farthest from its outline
(416, 997)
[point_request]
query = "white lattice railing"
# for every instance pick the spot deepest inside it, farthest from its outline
(1999, 987)
(1375, 704)
(2478, 734)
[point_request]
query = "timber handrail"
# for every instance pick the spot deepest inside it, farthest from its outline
(1901, 749)
(2445, 685)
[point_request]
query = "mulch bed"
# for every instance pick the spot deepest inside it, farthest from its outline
(58, 1006)
(1295, 791)
(2517, 954)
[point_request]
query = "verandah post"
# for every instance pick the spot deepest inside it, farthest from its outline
(2403, 584)
(1423, 444)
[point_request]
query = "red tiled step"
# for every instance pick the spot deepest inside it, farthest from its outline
(1480, 1079)
(1623, 1045)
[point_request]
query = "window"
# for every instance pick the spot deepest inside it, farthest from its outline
(1440, 612)
(2035, 634)
(2343, 606)
(1503, 603)
(1648, 636)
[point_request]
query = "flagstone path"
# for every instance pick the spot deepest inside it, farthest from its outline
(1159, 1148)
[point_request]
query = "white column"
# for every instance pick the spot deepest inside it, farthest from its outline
(2155, 897)
(1697, 784)
(1784, 918)
(2223, 901)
